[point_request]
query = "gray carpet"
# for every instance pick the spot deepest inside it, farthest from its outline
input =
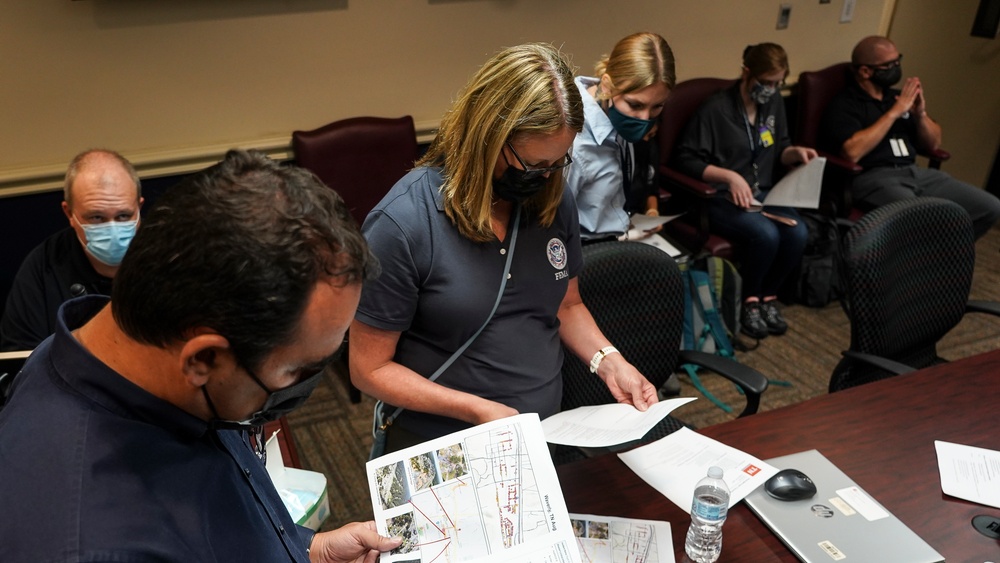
(333, 436)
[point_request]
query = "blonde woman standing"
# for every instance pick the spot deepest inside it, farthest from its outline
(492, 175)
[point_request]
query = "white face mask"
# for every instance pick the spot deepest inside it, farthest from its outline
(761, 94)
(107, 242)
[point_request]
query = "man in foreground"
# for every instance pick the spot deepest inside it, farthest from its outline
(126, 436)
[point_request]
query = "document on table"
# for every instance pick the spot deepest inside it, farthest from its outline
(800, 187)
(674, 464)
(969, 473)
(599, 426)
(606, 539)
(489, 493)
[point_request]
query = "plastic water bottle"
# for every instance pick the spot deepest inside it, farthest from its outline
(708, 511)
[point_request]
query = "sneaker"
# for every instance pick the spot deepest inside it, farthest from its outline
(772, 318)
(671, 387)
(751, 320)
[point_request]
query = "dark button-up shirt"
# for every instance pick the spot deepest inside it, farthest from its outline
(719, 134)
(94, 468)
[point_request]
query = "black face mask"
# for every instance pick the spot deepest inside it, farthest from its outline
(886, 77)
(513, 186)
(278, 403)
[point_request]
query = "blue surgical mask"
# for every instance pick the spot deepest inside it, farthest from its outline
(108, 241)
(632, 129)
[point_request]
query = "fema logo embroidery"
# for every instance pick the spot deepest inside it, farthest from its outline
(556, 251)
(770, 122)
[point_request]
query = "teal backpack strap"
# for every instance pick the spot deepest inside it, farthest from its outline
(698, 294)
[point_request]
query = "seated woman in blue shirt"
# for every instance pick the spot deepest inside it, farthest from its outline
(610, 156)
(734, 142)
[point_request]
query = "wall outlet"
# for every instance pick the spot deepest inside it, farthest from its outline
(847, 13)
(784, 12)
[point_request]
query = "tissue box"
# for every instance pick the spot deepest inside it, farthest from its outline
(303, 492)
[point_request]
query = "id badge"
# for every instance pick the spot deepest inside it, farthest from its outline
(766, 139)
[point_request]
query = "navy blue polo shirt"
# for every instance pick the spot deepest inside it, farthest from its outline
(94, 468)
(438, 287)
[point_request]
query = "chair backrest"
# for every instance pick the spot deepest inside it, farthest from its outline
(815, 91)
(683, 101)
(360, 158)
(636, 294)
(908, 272)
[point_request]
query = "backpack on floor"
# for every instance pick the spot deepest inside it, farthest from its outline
(712, 299)
(819, 279)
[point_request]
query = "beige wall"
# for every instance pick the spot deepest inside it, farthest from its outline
(173, 83)
(961, 78)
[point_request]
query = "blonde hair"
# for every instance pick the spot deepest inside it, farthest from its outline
(521, 91)
(763, 58)
(637, 61)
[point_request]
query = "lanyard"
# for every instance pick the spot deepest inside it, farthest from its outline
(755, 145)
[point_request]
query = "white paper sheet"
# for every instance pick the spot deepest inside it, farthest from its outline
(674, 464)
(800, 187)
(969, 473)
(606, 425)
(644, 223)
(606, 539)
(489, 493)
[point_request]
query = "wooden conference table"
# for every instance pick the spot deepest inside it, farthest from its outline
(881, 435)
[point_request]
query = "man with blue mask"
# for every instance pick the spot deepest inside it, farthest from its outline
(882, 128)
(127, 435)
(101, 200)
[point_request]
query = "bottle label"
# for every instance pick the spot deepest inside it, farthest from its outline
(709, 509)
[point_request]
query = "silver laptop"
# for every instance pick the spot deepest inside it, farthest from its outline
(840, 523)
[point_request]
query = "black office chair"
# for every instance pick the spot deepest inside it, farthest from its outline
(908, 271)
(636, 294)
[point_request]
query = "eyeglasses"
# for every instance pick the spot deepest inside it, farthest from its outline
(530, 172)
(883, 66)
(776, 84)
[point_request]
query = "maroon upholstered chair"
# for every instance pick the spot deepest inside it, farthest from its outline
(692, 229)
(360, 157)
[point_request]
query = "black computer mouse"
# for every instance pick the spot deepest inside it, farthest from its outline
(790, 484)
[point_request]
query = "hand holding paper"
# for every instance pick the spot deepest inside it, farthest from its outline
(606, 425)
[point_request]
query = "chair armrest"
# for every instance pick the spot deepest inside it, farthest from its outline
(886, 364)
(841, 162)
(936, 157)
(752, 382)
(695, 187)
(990, 307)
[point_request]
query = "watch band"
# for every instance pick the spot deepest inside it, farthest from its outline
(595, 362)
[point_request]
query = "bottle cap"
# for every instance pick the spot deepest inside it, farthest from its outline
(715, 472)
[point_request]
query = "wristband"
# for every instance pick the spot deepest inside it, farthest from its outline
(595, 362)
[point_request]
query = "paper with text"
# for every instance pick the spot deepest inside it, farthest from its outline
(674, 464)
(599, 426)
(800, 187)
(606, 539)
(489, 493)
(969, 473)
